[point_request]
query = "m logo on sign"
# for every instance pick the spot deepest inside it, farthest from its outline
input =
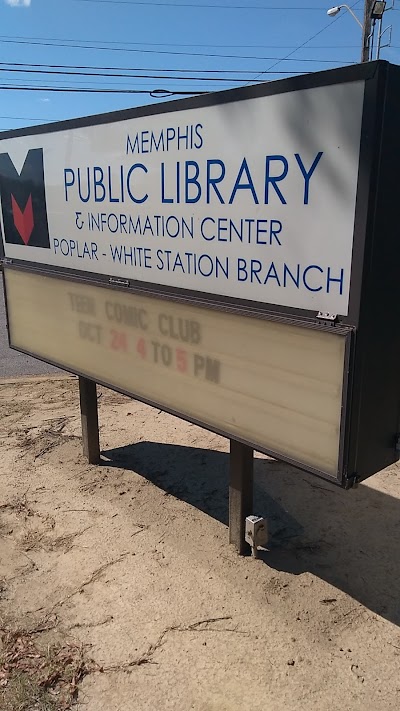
(23, 201)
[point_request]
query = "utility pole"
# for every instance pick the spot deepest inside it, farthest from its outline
(367, 28)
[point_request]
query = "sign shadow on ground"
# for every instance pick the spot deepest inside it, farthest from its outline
(349, 539)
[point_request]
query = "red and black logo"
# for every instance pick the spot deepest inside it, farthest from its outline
(23, 201)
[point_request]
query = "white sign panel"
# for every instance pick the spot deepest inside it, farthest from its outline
(251, 199)
(276, 385)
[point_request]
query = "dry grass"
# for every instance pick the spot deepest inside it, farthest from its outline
(3, 587)
(37, 678)
(4, 528)
(40, 440)
(19, 505)
(35, 539)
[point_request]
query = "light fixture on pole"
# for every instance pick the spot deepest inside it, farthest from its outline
(378, 10)
(333, 11)
(373, 13)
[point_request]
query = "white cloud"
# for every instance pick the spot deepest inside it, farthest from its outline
(18, 3)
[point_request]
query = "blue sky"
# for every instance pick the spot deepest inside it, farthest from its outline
(176, 42)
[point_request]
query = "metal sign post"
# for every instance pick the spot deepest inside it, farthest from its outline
(89, 419)
(240, 493)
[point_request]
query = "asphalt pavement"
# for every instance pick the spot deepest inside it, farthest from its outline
(12, 363)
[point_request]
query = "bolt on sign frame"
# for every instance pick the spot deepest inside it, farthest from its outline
(231, 258)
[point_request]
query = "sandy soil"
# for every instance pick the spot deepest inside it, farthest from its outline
(132, 559)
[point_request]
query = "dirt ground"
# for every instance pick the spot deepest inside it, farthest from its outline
(128, 565)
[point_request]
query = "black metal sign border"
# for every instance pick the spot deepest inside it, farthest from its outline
(374, 75)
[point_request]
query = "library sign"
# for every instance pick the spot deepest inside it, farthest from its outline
(212, 257)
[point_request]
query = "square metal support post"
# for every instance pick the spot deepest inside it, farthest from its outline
(240, 493)
(89, 419)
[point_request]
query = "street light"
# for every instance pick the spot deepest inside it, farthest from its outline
(333, 11)
(378, 10)
(374, 11)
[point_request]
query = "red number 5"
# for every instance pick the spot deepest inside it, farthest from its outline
(141, 347)
(181, 360)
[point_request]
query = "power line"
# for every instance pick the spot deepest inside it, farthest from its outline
(127, 76)
(26, 118)
(97, 83)
(152, 92)
(115, 75)
(73, 83)
(179, 54)
(201, 5)
(116, 86)
(100, 88)
(180, 44)
(126, 69)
